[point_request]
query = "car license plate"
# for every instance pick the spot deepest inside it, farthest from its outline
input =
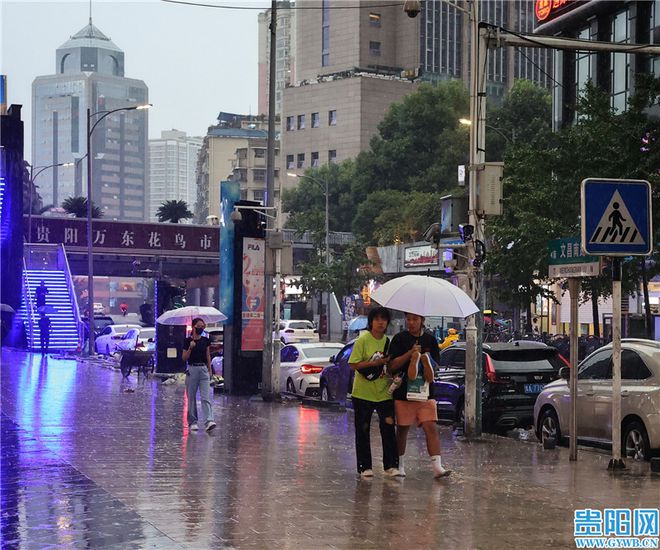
(534, 388)
(304, 340)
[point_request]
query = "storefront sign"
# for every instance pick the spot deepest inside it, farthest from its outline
(548, 9)
(420, 256)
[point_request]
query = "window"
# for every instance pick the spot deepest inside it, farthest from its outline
(583, 64)
(345, 354)
(259, 175)
(374, 48)
(289, 124)
(259, 153)
(374, 19)
(447, 358)
(290, 162)
(597, 367)
(301, 122)
(332, 155)
(316, 120)
(325, 34)
(258, 195)
(332, 118)
(315, 159)
(243, 194)
(301, 160)
(632, 366)
(289, 354)
(620, 62)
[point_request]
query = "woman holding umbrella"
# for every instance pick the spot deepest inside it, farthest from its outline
(197, 353)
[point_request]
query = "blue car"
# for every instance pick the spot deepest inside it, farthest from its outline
(336, 381)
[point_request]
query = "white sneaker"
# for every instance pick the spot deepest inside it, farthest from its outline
(402, 472)
(392, 472)
(210, 425)
(193, 427)
(439, 471)
(367, 473)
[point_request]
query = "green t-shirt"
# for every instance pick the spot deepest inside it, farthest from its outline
(364, 349)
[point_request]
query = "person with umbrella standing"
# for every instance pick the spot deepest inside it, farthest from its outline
(44, 333)
(369, 393)
(411, 355)
(196, 352)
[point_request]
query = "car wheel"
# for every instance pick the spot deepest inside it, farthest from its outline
(325, 393)
(549, 426)
(636, 441)
(290, 386)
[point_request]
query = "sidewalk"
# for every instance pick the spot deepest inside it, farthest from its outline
(86, 464)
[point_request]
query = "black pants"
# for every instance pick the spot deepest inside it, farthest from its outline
(363, 411)
(45, 340)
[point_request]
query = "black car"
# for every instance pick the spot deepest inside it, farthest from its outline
(512, 377)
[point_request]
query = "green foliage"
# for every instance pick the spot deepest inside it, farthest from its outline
(78, 207)
(173, 211)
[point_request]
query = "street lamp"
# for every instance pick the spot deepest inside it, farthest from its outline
(90, 252)
(468, 122)
(33, 175)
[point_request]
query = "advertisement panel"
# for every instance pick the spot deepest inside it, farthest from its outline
(252, 307)
(420, 256)
(230, 194)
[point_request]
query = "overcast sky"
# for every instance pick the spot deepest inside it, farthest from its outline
(196, 61)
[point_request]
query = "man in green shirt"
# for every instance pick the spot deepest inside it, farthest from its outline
(370, 384)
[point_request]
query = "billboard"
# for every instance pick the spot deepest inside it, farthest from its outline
(253, 296)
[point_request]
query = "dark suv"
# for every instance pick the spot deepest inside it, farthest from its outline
(512, 377)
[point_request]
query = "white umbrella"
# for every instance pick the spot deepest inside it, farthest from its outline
(185, 315)
(425, 296)
(359, 323)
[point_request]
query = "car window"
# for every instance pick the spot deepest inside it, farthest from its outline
(106, 330)
(285, 354)
(446, 357)
(633, 367)
(321, 352)
(458, 361)
(282, 326)
(345, 354)
(597, 367)
(526, 360)
(301, 325)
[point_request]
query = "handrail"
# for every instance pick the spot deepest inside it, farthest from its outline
(29, 305)
(61, 256)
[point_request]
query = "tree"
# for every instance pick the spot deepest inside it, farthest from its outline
(78, 207)
(173, 211)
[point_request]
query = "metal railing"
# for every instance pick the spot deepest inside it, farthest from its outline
(64, 263)
(29, 305)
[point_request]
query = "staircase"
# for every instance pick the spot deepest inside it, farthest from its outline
(60, 305)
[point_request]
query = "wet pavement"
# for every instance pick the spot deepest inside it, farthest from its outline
(87, 464)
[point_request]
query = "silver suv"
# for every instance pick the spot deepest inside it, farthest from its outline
(640, 400)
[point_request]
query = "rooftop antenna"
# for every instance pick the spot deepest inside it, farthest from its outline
(90, 12)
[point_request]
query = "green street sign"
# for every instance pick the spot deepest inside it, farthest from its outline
(566, 259)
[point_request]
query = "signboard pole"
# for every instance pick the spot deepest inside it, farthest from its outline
(574, 290)
(616, 462)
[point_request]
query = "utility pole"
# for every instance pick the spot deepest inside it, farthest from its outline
(268, 370)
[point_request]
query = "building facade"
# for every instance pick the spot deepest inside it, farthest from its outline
(217, 157)
(250, 169)
(285, 66)
(172, 166)
(616, 21)
(89, 74)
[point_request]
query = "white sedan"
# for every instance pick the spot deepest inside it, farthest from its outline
(293, 330)
(107, 342)
(138, 339)
(301, 366)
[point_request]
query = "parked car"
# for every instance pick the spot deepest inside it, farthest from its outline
(336, 379)
(110, 336)
(216, 337)
(297, 331)
(301, 364)
(640, 400)
(513, 374)
(99, 309)
(138, 339)
(100, 322)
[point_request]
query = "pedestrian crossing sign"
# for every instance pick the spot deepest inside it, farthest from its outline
(616, 217)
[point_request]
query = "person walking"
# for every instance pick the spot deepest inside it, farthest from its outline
(198, 376)
(412, 355)
(369, 394)
(40, 294)
(44, 333)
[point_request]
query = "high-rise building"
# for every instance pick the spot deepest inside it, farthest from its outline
(635, 22)
(445, 45)
(217, 157)
(172, 165)
(250, 169)
(89, 74)
(285, 66)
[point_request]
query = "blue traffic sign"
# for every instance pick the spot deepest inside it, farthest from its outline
(616, 217)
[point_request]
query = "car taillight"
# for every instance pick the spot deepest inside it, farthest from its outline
(289, 331)
(310, 369)
(491, 374)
